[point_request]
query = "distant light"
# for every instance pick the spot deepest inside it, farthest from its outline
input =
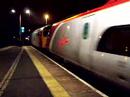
(27, 11)
(29, 30)
(126, 49)
(26, 38)
(13, 11)
(14, 37)
(46, 16)
(22, 29)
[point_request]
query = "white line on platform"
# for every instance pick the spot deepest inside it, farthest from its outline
(10, 73)
(6, 48)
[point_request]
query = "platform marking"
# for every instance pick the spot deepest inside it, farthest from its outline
(6, 48)
(81, 80)
(9, 74)
(56, 89)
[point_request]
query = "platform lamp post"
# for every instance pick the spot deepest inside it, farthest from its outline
(26, 11)
(46, 16)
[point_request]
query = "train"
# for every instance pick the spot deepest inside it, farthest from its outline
(97, 40)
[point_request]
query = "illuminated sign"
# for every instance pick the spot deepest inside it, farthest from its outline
(22, 29)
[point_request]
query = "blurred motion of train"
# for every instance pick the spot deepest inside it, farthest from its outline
(97, 40)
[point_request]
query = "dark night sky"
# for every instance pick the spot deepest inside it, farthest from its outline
(58, 10)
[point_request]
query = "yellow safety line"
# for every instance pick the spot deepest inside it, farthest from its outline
(56, 89)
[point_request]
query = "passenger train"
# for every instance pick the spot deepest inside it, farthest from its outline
(97, 40)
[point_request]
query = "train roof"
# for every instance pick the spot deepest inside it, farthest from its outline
(109, 4)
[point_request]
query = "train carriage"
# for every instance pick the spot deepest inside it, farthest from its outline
(98, 40)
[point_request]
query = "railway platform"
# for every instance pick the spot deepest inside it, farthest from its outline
(30, 73)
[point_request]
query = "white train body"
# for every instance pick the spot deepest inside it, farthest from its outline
(99, 42)
(35, 38)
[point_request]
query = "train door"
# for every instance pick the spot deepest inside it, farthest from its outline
(40, 38)
(86, 41)
(112, 55)
(45, 33)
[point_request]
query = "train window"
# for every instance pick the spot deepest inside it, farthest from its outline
(46, 31)
(39, 33)
(116, 40)
(85, 31)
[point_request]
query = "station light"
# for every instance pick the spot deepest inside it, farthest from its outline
(22, 29)
(27, 11)
(13, 11)
(46, 16)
